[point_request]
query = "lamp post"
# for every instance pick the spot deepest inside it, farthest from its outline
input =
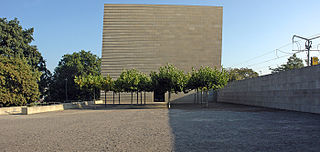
(66, 89)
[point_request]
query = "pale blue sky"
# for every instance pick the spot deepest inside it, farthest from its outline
(250, 27)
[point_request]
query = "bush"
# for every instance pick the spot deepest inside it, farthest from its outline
(18, 83)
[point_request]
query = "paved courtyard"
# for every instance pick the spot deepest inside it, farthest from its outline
(222, 127)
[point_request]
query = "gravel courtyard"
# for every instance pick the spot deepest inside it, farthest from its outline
(222, 127)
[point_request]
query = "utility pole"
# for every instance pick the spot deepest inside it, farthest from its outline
(308, 45)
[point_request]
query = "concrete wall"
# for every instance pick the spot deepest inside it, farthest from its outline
(58, 107)
(41, 109)
(297, 90)
(146, 37)
(10, 110)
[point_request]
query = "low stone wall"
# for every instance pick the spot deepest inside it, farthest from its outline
(10, 110)
(58, 107)
(297, 90)
(41, 109)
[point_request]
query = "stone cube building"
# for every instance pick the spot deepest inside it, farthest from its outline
(146, 37)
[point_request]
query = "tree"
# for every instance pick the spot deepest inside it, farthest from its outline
(79, 63)
(293, 63)
(18, 83)
(129, 80)
(118, 88)
(168, 79)
(106, 86)
(89, 82)
(144, 85)
(16, 42)
(206, 79)
(240, 74)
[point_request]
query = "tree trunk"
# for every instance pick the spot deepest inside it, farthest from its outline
(169, 96)
(207, 98)
(94, 94)
(119, 97)
(131, 97)
(195, 97)
(105, 98)
(201, 96)
(113, 97)
(141, 98)
(94, 98)
(137, 97)
(144, 97)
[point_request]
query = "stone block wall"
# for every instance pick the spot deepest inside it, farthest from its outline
(297, 90)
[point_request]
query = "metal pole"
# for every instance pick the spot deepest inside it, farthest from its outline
(308, 44)
(308, 48)
(66, 90)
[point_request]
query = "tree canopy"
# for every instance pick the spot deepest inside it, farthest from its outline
(240, 74)
(90, 82)
(16, 42)
(107, 83)
(207, 78)
(145, 83)
(129, 80)
(81, 63)
(293, 63)
(168, 79)
(18, 83)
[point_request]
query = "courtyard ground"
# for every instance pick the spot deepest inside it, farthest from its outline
(222, 127)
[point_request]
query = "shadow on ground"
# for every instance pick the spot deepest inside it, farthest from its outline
(230, 127)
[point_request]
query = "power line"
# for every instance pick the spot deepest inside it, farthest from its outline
(308, 45)
(275, 50)
(262, 67)
(252, 65)
(254, 58)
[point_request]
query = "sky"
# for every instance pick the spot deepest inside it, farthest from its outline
(256, 33)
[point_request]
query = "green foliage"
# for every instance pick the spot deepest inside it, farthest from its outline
(71, 65)
(169, 78)
(107, 83)
(240, 74)
(128, 80)
(90, 82)
(118, 86)
(145, 83)
(16, 42)
(18, 83)
(293, 63)
(193, 79)
(207, 78)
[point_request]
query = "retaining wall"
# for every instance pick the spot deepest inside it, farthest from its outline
(10, 110)
(40, 109)
(297, 90)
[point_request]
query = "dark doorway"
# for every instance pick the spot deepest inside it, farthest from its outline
(159, 96)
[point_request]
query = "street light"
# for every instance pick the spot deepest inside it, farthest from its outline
(66, 89)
